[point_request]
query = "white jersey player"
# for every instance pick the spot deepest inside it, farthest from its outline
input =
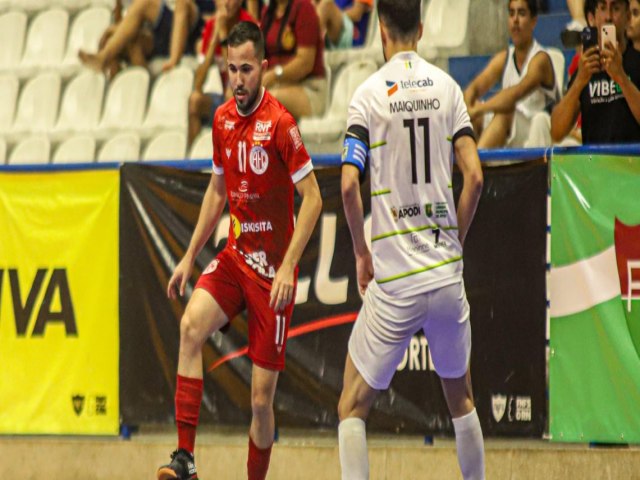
(407, 123)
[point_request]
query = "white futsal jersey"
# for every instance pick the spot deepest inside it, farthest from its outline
(540, 98)
(413, 112)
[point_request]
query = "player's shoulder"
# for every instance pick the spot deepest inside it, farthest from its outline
(225, 114)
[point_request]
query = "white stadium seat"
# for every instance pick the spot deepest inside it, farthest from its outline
(30, 6)
(558, 61)
(13, 27)
(110, 4)
(85, 34)
(37, 105)
(125, 103)
(5, 5)
(169, 104)
(324, 134)
(81, 104)
(78, 149)
(166, 146)
(46, 39)
(445, 28)
(202, 147)
(31, 151)
(213, 82)
(9, 87)
(3, 151)
(123, 147)
(72, 5)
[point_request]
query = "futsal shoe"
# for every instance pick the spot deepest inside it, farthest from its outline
(182, 467)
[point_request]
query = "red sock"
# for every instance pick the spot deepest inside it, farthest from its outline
(188, 398)
(258, 462)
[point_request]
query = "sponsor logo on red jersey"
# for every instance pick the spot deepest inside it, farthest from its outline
(294, 133)
(262, 132)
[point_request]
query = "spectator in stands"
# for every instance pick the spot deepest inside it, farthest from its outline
(253, 7)
(344, 22)
(150, 28)
(202, 105)
(633, 28)
(604, 90)
(296, 75)
(528, 83)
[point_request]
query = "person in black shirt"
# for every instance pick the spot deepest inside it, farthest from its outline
(605, 87)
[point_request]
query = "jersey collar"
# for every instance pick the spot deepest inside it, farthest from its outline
(405, 56)
(262, 90)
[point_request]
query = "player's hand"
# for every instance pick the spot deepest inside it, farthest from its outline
(282, 289)
(180, 278)
(612, 62)
(168, 65)
(589, 64)
(364, 270)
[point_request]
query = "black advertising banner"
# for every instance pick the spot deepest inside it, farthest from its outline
(505, 280)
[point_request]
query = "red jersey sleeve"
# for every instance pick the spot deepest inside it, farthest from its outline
(216, 138)
(292, 150)
(307, 25)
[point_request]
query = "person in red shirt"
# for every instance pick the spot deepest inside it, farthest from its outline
(202, 105)
(295, 51)
(258, 161)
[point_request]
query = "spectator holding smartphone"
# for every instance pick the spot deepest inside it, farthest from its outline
(605, 87)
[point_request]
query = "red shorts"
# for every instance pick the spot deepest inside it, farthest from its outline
(234, 291)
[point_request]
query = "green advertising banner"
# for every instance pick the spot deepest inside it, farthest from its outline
(594, 292)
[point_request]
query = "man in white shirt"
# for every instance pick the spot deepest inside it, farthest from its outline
(407, 122)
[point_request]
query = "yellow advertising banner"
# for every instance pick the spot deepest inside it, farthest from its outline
(59, 345)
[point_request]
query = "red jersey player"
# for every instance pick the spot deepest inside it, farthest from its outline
(258, 159)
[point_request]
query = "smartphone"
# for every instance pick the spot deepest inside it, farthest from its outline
(589, 38)
(608, 34)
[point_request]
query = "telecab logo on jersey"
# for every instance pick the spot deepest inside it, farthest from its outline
(393, 87)
(54, 308)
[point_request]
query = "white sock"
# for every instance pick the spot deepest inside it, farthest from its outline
(352, 439)
(470, 446)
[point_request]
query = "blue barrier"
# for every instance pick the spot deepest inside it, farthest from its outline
(333, 160)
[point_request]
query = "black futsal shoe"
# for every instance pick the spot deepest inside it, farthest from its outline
(182, 467)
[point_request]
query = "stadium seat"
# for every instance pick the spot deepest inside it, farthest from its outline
(557, 58)
(125, 103)
(202, 147)
(103, 3)
(371, 49)
(78, 149)
(445, 29)
(166, 146)
(85, 34)
(213, 82)
(13, 27)
(37, 106)
(9, 87)
(46, 39)
(31, 151)
(3, 151)
(81, 104)
(168, 107)
(324, 134)
(72, 5)
(30, 6)
(123, 147)
(5, 5)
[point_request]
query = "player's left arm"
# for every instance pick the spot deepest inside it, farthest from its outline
(539, 73)
(284, 282)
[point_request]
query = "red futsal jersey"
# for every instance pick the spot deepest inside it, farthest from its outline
(261, 156)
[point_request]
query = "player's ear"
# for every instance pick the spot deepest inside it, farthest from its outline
(264, 64)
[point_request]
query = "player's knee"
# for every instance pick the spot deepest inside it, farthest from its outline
(260, 404)
(190, 330)
(347, 407)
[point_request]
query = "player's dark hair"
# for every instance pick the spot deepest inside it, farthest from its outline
(244, 32)
(532, 5)
(402, 19)
(591, 5)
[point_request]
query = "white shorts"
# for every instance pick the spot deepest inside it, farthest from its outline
(385, 325)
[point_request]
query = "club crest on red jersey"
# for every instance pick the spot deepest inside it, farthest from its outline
(259, 160)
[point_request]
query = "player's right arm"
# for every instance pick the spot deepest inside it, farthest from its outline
(486, 79)
(212, 205)
(469, 164)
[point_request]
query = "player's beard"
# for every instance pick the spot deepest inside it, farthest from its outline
(250, 100)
